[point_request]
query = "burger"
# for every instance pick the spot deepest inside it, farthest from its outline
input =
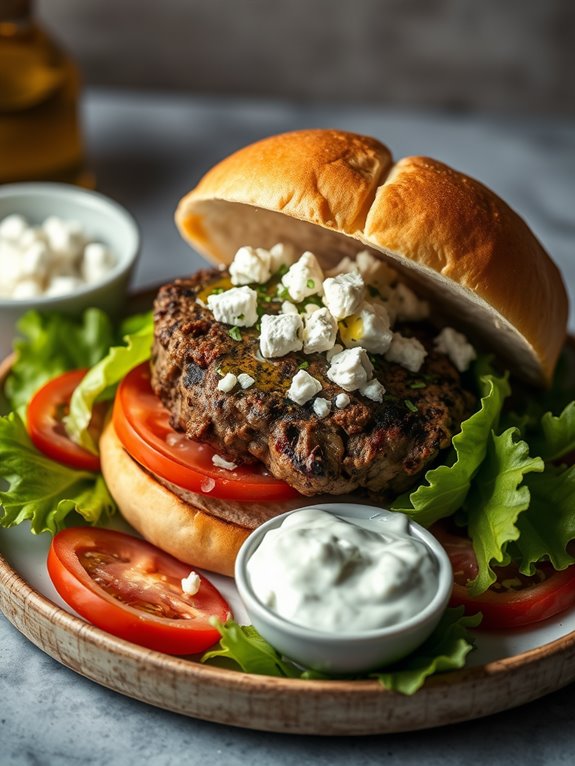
(327, 353)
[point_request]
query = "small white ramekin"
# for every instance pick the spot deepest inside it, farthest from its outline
(347, 653)
(104, 221)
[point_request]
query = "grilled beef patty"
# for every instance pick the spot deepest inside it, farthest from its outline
(382, 447)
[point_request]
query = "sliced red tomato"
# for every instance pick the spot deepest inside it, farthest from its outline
(45, 414)
(142, 425)
(133, 590)
(513, 600)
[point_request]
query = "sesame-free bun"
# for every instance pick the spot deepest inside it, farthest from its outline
(457, 242)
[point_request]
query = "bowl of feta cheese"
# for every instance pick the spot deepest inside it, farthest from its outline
(62, 248)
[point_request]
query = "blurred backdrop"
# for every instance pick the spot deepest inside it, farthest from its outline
(510, 56)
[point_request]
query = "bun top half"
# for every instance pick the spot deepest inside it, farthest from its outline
(453, 239)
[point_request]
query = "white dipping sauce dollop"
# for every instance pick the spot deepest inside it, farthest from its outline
(324, 573)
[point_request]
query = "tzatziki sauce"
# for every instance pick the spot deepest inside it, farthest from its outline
(322, 572)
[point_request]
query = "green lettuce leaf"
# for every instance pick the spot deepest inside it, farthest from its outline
(53, 344)
(556, 437)
(243, 646)
(41, 490)
(548, 525)
(447, 485)
(497, 498)
(445, 649)
(101, 381)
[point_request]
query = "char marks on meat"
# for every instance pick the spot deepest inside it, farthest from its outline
(382, 447)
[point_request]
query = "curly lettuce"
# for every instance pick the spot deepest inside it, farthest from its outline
(446, 649)
(42, 491)
(548, 526)
(101, 381)
(499, 496)
(447, 486)
(34, 487)
(499, 480)
(52, 344)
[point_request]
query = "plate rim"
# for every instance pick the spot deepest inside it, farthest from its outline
(435, 704)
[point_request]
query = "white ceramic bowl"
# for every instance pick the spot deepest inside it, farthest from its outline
(353, 652)
(103, 220)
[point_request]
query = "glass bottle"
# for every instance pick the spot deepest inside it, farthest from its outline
(40, 134)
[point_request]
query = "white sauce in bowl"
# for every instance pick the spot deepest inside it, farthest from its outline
(324, 573)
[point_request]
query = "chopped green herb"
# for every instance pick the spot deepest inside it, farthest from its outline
(241, 316)
(410, 405)
(235, 333)
(310, 284)
(303, 366)
(217, 291)
(418, 384)
(283, 293)
(283, 269)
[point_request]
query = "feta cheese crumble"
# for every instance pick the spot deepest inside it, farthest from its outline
(457, 348)
(407, 306)
(221, 462)
(368, 328)
(350, 369)
(304, 278)
(281, 255)
(321, 407)
(191, 584)
(250, 265)
(245, 380)
(408, 352)
(289, 308)
(227, 383)
(280, 334)
(374, 271)
(373, 390)
(332, 352)
(343, 294)
(303, 387)
(342, 401)
(319, 332)
(237, 306)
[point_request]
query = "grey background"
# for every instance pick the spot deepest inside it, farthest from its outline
(502, 69)
(146, 151)
(512, 56)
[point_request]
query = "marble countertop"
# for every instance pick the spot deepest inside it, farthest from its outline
(147, 151)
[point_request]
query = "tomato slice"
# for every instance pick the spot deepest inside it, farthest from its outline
(142, 425)
(133, 590)
(513, 600)
(46, 411)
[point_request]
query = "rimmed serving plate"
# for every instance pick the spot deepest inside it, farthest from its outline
(508, 669)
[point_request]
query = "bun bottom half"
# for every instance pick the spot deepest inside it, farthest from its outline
(162, 518)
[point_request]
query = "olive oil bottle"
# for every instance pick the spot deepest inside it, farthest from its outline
(40, 134)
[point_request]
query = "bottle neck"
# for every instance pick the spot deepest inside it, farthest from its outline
(15, 10)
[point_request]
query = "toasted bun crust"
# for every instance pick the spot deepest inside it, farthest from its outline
(162, 518)
(336, 193)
